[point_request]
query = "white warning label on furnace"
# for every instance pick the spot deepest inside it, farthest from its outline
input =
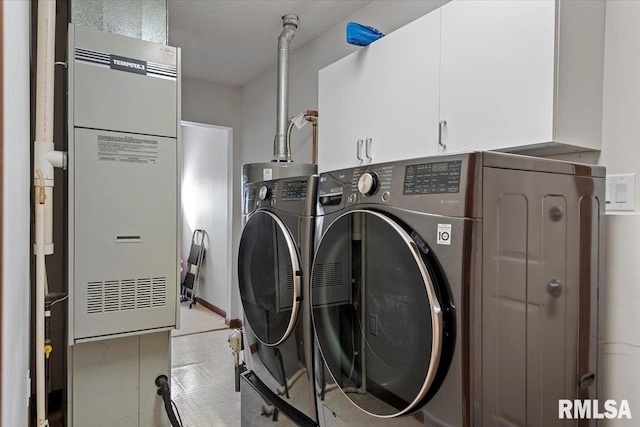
(127, 149)
(444, 234)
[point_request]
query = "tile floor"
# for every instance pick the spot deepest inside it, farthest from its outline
(197, 319)
(203, 386)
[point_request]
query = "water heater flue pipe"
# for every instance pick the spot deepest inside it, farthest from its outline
(44, 160)
(281, 153)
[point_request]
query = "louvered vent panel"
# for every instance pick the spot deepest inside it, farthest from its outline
(94, 297)
(143, 294)
(111, 296)
(328, 274)
(124, 295)
(128, 295)
(159, 292)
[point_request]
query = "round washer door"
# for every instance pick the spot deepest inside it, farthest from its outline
(376, 313)
(269, 277)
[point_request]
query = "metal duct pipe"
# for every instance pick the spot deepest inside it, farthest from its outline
(281, 152)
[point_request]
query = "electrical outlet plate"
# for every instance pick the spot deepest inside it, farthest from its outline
(620, 193)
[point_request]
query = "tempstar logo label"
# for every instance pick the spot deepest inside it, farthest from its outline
(128, 64)
(590, 409)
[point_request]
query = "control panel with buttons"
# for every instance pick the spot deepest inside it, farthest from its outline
(437, 184)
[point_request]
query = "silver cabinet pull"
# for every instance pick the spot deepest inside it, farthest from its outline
(367, 152)
(359, 149)
(440, 125)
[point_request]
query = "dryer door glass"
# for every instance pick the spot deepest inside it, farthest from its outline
(376, 314)
(269, 277)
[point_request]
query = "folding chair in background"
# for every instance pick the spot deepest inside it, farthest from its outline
(189, 289)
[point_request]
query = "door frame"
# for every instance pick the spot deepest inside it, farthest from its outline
(2, 185)
(230, 198)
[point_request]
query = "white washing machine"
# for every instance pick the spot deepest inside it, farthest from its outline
(274, 261)
(457, 290)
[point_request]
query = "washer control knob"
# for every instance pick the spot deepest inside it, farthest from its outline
(263, 193)
(368, 183)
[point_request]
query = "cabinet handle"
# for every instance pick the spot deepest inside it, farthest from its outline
(440, 125)
(359, 149)
(367, 152)
(554, 288)
(586, 380)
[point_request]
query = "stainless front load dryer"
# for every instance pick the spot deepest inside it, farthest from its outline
(457, 290)
(274, 261)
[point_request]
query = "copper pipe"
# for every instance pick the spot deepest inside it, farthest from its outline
(312, 116)
(314, 146)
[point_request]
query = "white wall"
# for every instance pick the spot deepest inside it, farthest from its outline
(218, 104)
(15, 214)
(205, 205)
(259, 95)
(211, 103)
(621, 154)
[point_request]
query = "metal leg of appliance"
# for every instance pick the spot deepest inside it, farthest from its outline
(281, 366)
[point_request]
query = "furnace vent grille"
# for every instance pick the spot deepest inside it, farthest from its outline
(128, 294)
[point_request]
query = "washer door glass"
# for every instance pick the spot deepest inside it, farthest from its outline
(376, 313)
(269, 277)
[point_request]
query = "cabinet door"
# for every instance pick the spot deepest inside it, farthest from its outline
(497, 73)
(403, 73)
(343, 104)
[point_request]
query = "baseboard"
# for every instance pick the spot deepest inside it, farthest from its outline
(216, 310)
(233, 323)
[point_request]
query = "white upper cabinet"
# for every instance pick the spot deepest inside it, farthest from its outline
(497, 73)
(522, 76)
(515, 75)
(403, 78)
(344, 102)
(386, 93)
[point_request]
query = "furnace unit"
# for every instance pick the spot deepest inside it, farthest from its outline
(124, 127)
(124, 157)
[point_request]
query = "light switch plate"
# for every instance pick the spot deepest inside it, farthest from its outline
(620, 193)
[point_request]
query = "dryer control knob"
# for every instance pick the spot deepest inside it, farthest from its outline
(263, 193)
(368, 183)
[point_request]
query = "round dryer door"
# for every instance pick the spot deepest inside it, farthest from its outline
(377, 313)
(269, 277)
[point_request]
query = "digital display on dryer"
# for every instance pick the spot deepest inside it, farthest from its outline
(294, 191)
(432, 178)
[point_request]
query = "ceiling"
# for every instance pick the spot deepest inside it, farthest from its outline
(233, 41)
